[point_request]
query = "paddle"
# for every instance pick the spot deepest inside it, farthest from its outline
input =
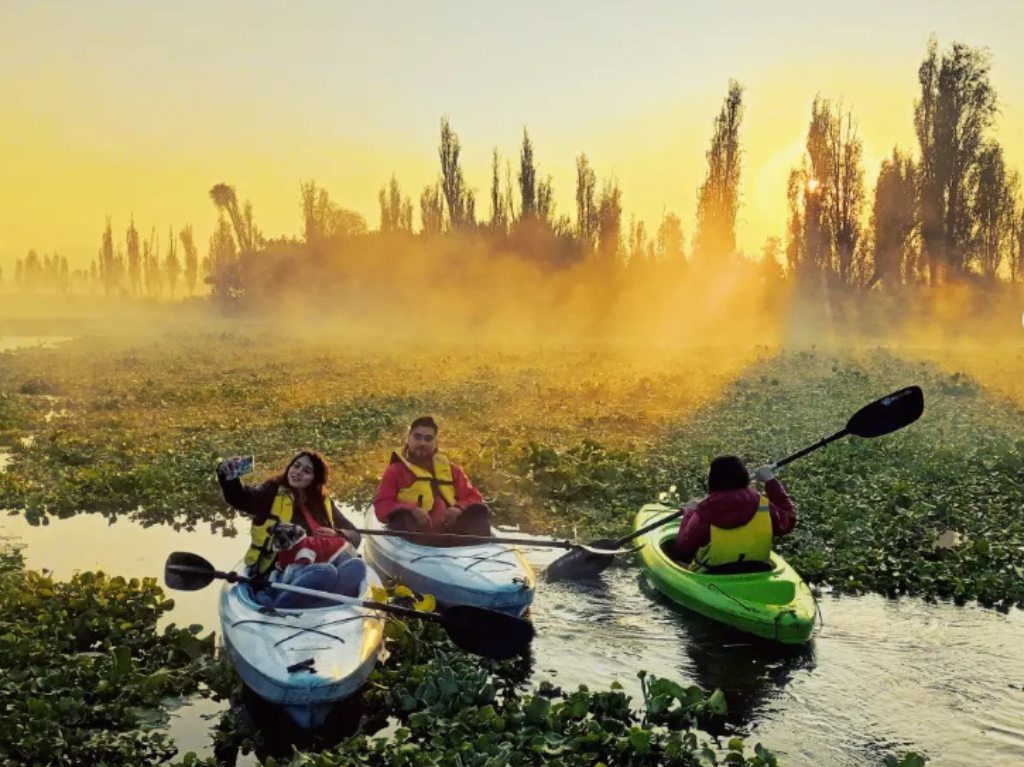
(473, 629)
(884, 415)
(439, 539)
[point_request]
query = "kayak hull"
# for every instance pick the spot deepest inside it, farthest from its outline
(337, 648)
(494, 576)
(775, 604)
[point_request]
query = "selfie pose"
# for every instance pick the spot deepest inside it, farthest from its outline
(298, 534)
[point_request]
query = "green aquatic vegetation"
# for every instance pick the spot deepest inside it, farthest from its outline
(445, 707)
(82, 667)
(449, 708)
(871, 511)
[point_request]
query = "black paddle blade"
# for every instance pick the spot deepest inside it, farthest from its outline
(888, 414)
(185, 571)
(486, 632)
(579, 564)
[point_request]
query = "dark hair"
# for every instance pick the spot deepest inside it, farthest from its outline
(317, 491)
(424, 420)
(727, 472)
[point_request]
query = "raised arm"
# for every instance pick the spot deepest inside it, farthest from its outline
(253, 500)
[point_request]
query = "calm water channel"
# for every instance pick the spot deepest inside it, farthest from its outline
(879, 676)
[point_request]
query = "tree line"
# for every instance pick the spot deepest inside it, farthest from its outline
(950, 211)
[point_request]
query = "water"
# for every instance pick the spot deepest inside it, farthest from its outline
(879, 676)
(10, 343)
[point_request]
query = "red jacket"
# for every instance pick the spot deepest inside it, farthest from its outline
(733, 508)
(398, 476)
(322, 544)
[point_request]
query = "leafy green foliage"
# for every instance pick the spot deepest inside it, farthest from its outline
(871, 511)
(450, 709)
(81, 665)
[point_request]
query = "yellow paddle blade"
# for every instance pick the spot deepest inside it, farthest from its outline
(401, 593)
(425, 604)
(401, 590)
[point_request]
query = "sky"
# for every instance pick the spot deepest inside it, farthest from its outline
(127, 109)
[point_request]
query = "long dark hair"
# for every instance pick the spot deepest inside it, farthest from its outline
(315, 496)
(727, 472)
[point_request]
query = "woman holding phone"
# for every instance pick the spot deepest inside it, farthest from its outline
(325, 558)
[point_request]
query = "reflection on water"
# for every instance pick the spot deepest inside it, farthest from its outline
(879, 676)
(10, 343)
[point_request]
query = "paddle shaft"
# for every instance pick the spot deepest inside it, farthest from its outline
(456, 538)
(800, 454)
(232, 577)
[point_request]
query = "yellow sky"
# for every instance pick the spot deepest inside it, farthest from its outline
(137, 109)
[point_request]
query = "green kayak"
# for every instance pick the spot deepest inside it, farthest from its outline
(775, 604)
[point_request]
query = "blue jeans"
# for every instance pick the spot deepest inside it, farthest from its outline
(343, 578)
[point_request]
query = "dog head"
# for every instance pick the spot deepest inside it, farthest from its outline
(284, 535)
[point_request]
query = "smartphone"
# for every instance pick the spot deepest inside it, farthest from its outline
(244, 466)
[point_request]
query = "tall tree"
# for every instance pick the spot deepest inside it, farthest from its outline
(1017, 262)
(247, 235)
(586, 206)
(826, 198)
(222, 266)
(172, 266)
(453, 184)
(188, 243)
(499, 210)
(432, 209)
(325, 220)
(546, 203)
(107, 266)
(718, 197)
(670, 242)
(609, 224)
(637, 244)
(955, 109)
(846, 198)
(405, 219)
(894, 221)
(527, 179)
(134, 253)
(994, 211)
(152, 278)
(390, 197)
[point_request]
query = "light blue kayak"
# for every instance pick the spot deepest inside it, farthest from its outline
(494, 576)
(304, 660)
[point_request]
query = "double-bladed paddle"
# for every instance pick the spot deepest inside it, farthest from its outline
(473, 629)
(884, 415)
(442, 539)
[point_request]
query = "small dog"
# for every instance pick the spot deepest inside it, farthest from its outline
(285, 535)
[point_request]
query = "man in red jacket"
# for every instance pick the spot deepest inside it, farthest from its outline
(423, 491)
(732, 528)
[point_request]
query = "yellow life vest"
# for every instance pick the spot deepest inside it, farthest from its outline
(421, 491)
(751, 542)
(260, 552)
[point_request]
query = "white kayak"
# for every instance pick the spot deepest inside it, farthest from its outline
(304, 660)
(494, 576)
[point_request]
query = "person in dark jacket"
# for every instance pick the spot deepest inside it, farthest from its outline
(325, 558)
(732, 528)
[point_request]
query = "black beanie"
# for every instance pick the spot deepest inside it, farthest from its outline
(727, 473)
